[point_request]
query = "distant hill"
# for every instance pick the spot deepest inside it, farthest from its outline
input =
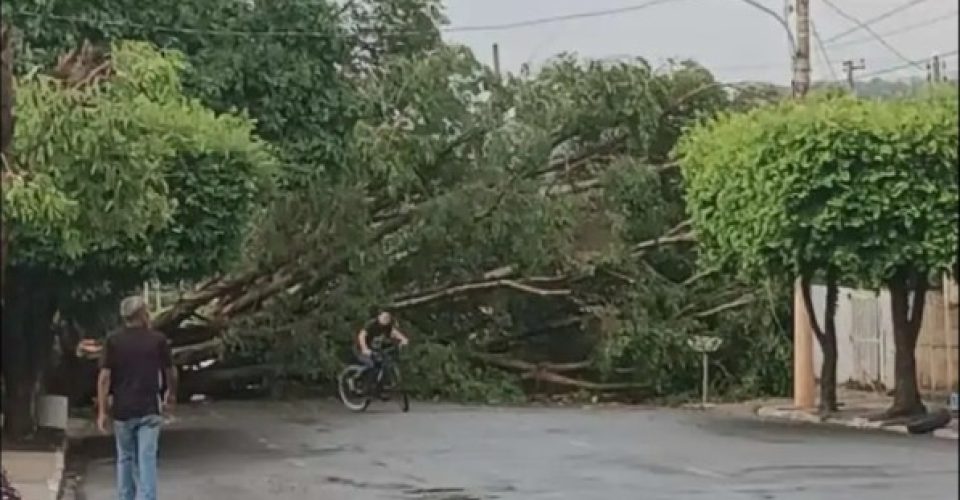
(876, 88)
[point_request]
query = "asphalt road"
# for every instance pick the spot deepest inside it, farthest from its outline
(316, 450)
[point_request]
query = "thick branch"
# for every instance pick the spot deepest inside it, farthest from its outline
(546, 372)
(642, 247)
(697, 277)
(473, 287)
(580, 159)
(742, 301)
(192, 354)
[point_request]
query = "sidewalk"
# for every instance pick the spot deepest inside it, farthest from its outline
(856, 408)
(35, 474)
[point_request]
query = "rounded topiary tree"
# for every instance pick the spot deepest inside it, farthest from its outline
(853, 191)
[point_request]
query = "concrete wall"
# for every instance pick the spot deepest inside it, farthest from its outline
(865, 339)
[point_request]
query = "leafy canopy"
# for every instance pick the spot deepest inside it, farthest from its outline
(867, 187)
(126, 179)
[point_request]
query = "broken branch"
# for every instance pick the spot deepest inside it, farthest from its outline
(473, 287)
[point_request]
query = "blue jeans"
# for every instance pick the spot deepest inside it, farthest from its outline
(137, 444)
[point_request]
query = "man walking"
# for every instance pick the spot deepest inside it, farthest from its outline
(135, 363)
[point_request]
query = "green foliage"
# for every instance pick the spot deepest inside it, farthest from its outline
(95, 149)
(475, 166)
(393, 28)
(635, 199)
(290, 85)
(408, 167)
(143, 182)
(591, 101)
(686, 93)
(867, 187)
(436, 371)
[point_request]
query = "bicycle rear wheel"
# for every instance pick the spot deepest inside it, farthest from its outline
(353, 399)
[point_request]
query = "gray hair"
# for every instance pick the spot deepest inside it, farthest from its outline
(130, 309)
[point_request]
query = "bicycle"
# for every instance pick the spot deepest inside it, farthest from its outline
(357, 385)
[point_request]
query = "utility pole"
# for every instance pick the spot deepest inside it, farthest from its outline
(934, 69)
(849, 67)
(801, 59)
(804, 383)
(496, 60)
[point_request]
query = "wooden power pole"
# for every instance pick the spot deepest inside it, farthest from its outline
(804, 384)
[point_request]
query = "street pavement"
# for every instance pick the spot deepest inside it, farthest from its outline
(317, 450)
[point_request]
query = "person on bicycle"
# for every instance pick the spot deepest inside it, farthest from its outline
(376, 332)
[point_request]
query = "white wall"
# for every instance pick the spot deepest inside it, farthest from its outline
(866, 314)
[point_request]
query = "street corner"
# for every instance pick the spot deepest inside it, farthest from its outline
(789, 414)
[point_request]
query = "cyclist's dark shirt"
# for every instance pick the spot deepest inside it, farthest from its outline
(377, 333)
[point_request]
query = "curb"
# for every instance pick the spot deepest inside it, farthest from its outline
(793, 415)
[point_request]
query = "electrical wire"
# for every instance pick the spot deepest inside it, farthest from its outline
(874, 20)
(321, 34)
(556, 19)
(864, 26)
(780, 19)
(905, 29)
(823, 51)
(914, 63)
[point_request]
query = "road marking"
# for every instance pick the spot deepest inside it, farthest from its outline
(580, 444)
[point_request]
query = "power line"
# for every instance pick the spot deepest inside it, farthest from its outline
(913, 64)
(555, 19)
(864, 26)
(823, 51)
(780, 19)
(874, 20)
(905, 29)
(322, 34)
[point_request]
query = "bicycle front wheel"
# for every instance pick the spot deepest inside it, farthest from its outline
(348, 388)
(397, 389)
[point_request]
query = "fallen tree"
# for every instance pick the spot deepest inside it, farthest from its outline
(540, 214)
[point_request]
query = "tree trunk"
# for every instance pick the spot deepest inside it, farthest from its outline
(906, 330)
(826, 337)
(828, 372)
(27, 341)
(6, 130)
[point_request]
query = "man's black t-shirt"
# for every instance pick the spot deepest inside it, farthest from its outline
(136, 358)
(377, 333)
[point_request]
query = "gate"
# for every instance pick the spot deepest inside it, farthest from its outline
(866, 338)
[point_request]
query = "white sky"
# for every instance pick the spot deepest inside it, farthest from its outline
(735, 40)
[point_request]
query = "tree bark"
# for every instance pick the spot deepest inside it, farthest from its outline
(6, 131)
(828, 345)
(26, 341)
(826, 337)
(906, 330)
